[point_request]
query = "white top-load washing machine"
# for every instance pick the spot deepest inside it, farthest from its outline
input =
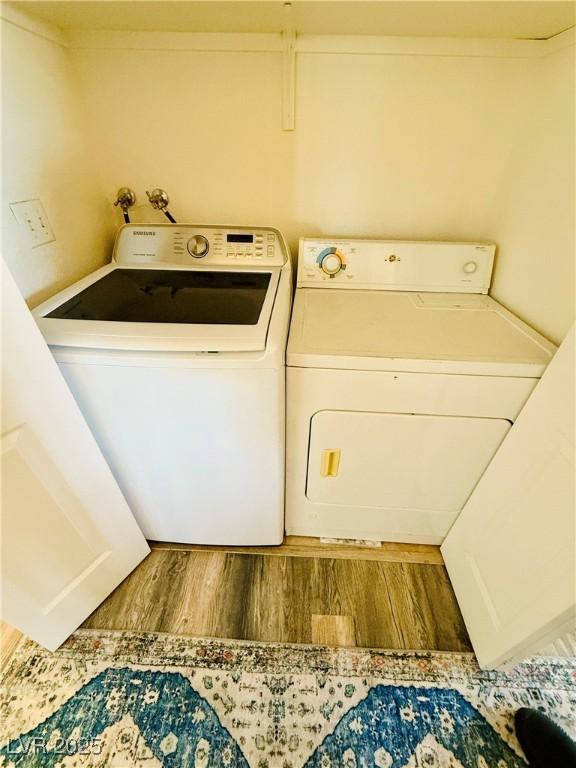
(403, 379)
(175, 353)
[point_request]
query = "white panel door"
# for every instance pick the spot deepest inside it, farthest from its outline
(511, 552)
(68, 536)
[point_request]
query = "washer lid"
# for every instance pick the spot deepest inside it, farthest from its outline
(167, 308)
(420, 332)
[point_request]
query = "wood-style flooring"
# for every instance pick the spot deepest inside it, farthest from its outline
(395, 597)
(9, 639)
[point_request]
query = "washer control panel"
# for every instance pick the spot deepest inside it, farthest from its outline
(395, 265)
(191, 245)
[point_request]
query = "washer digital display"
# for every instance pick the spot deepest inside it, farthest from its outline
(240, 238)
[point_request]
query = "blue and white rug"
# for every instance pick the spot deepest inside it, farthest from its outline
(125, 700)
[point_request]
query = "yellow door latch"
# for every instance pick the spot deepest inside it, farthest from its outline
(330, 462)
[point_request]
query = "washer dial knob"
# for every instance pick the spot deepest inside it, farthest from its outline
(470, 267)
(198, 246)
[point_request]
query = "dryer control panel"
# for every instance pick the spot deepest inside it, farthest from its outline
(395, 265)
(199, 246)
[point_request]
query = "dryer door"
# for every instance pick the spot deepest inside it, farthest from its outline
(401, 474)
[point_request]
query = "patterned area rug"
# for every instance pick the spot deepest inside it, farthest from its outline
(147, 700)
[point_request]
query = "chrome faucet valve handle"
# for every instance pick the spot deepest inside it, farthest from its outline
(158, 199)
(125, 198)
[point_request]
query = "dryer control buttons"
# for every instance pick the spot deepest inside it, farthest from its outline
(331, 261)
(198, 246)
(470, 267)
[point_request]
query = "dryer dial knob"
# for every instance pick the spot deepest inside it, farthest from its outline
(198, 246)
(470, 267)
(331, 264)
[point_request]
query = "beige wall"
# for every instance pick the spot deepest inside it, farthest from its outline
(203, 126)
(405, 145)
(535, 271)
(412, 146)
(44, 156)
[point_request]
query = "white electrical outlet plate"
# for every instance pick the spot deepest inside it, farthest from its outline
(31, 216)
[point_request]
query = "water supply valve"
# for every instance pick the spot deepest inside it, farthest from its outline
(159, 201)
(125, 198)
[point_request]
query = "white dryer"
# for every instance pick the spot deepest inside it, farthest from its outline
(175, 354)
(403, 379)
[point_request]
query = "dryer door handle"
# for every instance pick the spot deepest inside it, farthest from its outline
(330, 462)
